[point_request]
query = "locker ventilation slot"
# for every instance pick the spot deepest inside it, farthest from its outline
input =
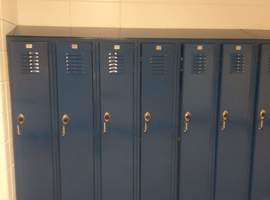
(199, 63)
(115, 63)
(74, 63)
(237, 63)
(158, 64)
(31, 63)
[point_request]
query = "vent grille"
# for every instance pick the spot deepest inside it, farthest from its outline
(158, 64)
(74, 63)
(115, 63)
(199, 63)
(237, 63)
(31, 62)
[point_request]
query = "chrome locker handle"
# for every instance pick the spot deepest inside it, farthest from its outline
(187, 119)
(225, 119)
(65, 122)
(147, 118)
(262, 118)
(20, 123)
(106, 120)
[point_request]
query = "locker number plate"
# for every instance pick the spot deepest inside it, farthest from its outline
(74, 46)
(200, 47)
(158, 47)
(238, 47)
(116, 47)
(28, 46)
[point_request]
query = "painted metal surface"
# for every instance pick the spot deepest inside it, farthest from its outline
(116, 145)
(235, 122)
(32, 133)
(159, 136)
(261, 162)
(75, 115)
(117, 107)
(199, 98)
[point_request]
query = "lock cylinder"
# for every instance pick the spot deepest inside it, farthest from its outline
(187, 119)
(106, 120)
(262, 116)
(65, 122)
(147, 118)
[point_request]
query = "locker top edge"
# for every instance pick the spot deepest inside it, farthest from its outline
(138, 33)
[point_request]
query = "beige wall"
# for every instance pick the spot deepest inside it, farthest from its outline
(146, 13)
(8, 19)
(252, 14)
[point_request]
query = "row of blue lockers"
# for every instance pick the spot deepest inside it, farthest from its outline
(149, 120)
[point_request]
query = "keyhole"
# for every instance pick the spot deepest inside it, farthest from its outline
(263, 114)
(107, 117)
(20, 119)
(147, 117)
(65, 119)
(225, 115)
(188, 117)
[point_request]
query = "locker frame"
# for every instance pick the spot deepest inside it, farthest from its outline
(179, 49)
(53, 98)
(255, 115)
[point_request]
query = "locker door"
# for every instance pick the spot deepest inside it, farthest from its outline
(75, 100)
(235, 122)
(199, 107)
(159, 136)
(261, 165)
(31, 120)
(117, 107)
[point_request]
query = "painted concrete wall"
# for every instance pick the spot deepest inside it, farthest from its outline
(8, 19)
(146, 13)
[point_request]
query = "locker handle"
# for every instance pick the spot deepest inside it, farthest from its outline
(262, 118)
(65, 122)
(106, 120)
(225, 119)
(187, 119)
(147, 118)
(20, 123)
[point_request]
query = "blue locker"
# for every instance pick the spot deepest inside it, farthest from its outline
(199, 107)
(75, 107)
(261, 161)
(235, 122)
(159, 85)
(117, 119)
(29, 75)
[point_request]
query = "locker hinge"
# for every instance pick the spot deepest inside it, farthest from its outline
(181, 64)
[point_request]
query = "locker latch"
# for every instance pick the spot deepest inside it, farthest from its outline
(225, 118)
(262, 118)
(187, 119)
(147, 118)
(20, 123)
(65, 121)
(106, 120)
